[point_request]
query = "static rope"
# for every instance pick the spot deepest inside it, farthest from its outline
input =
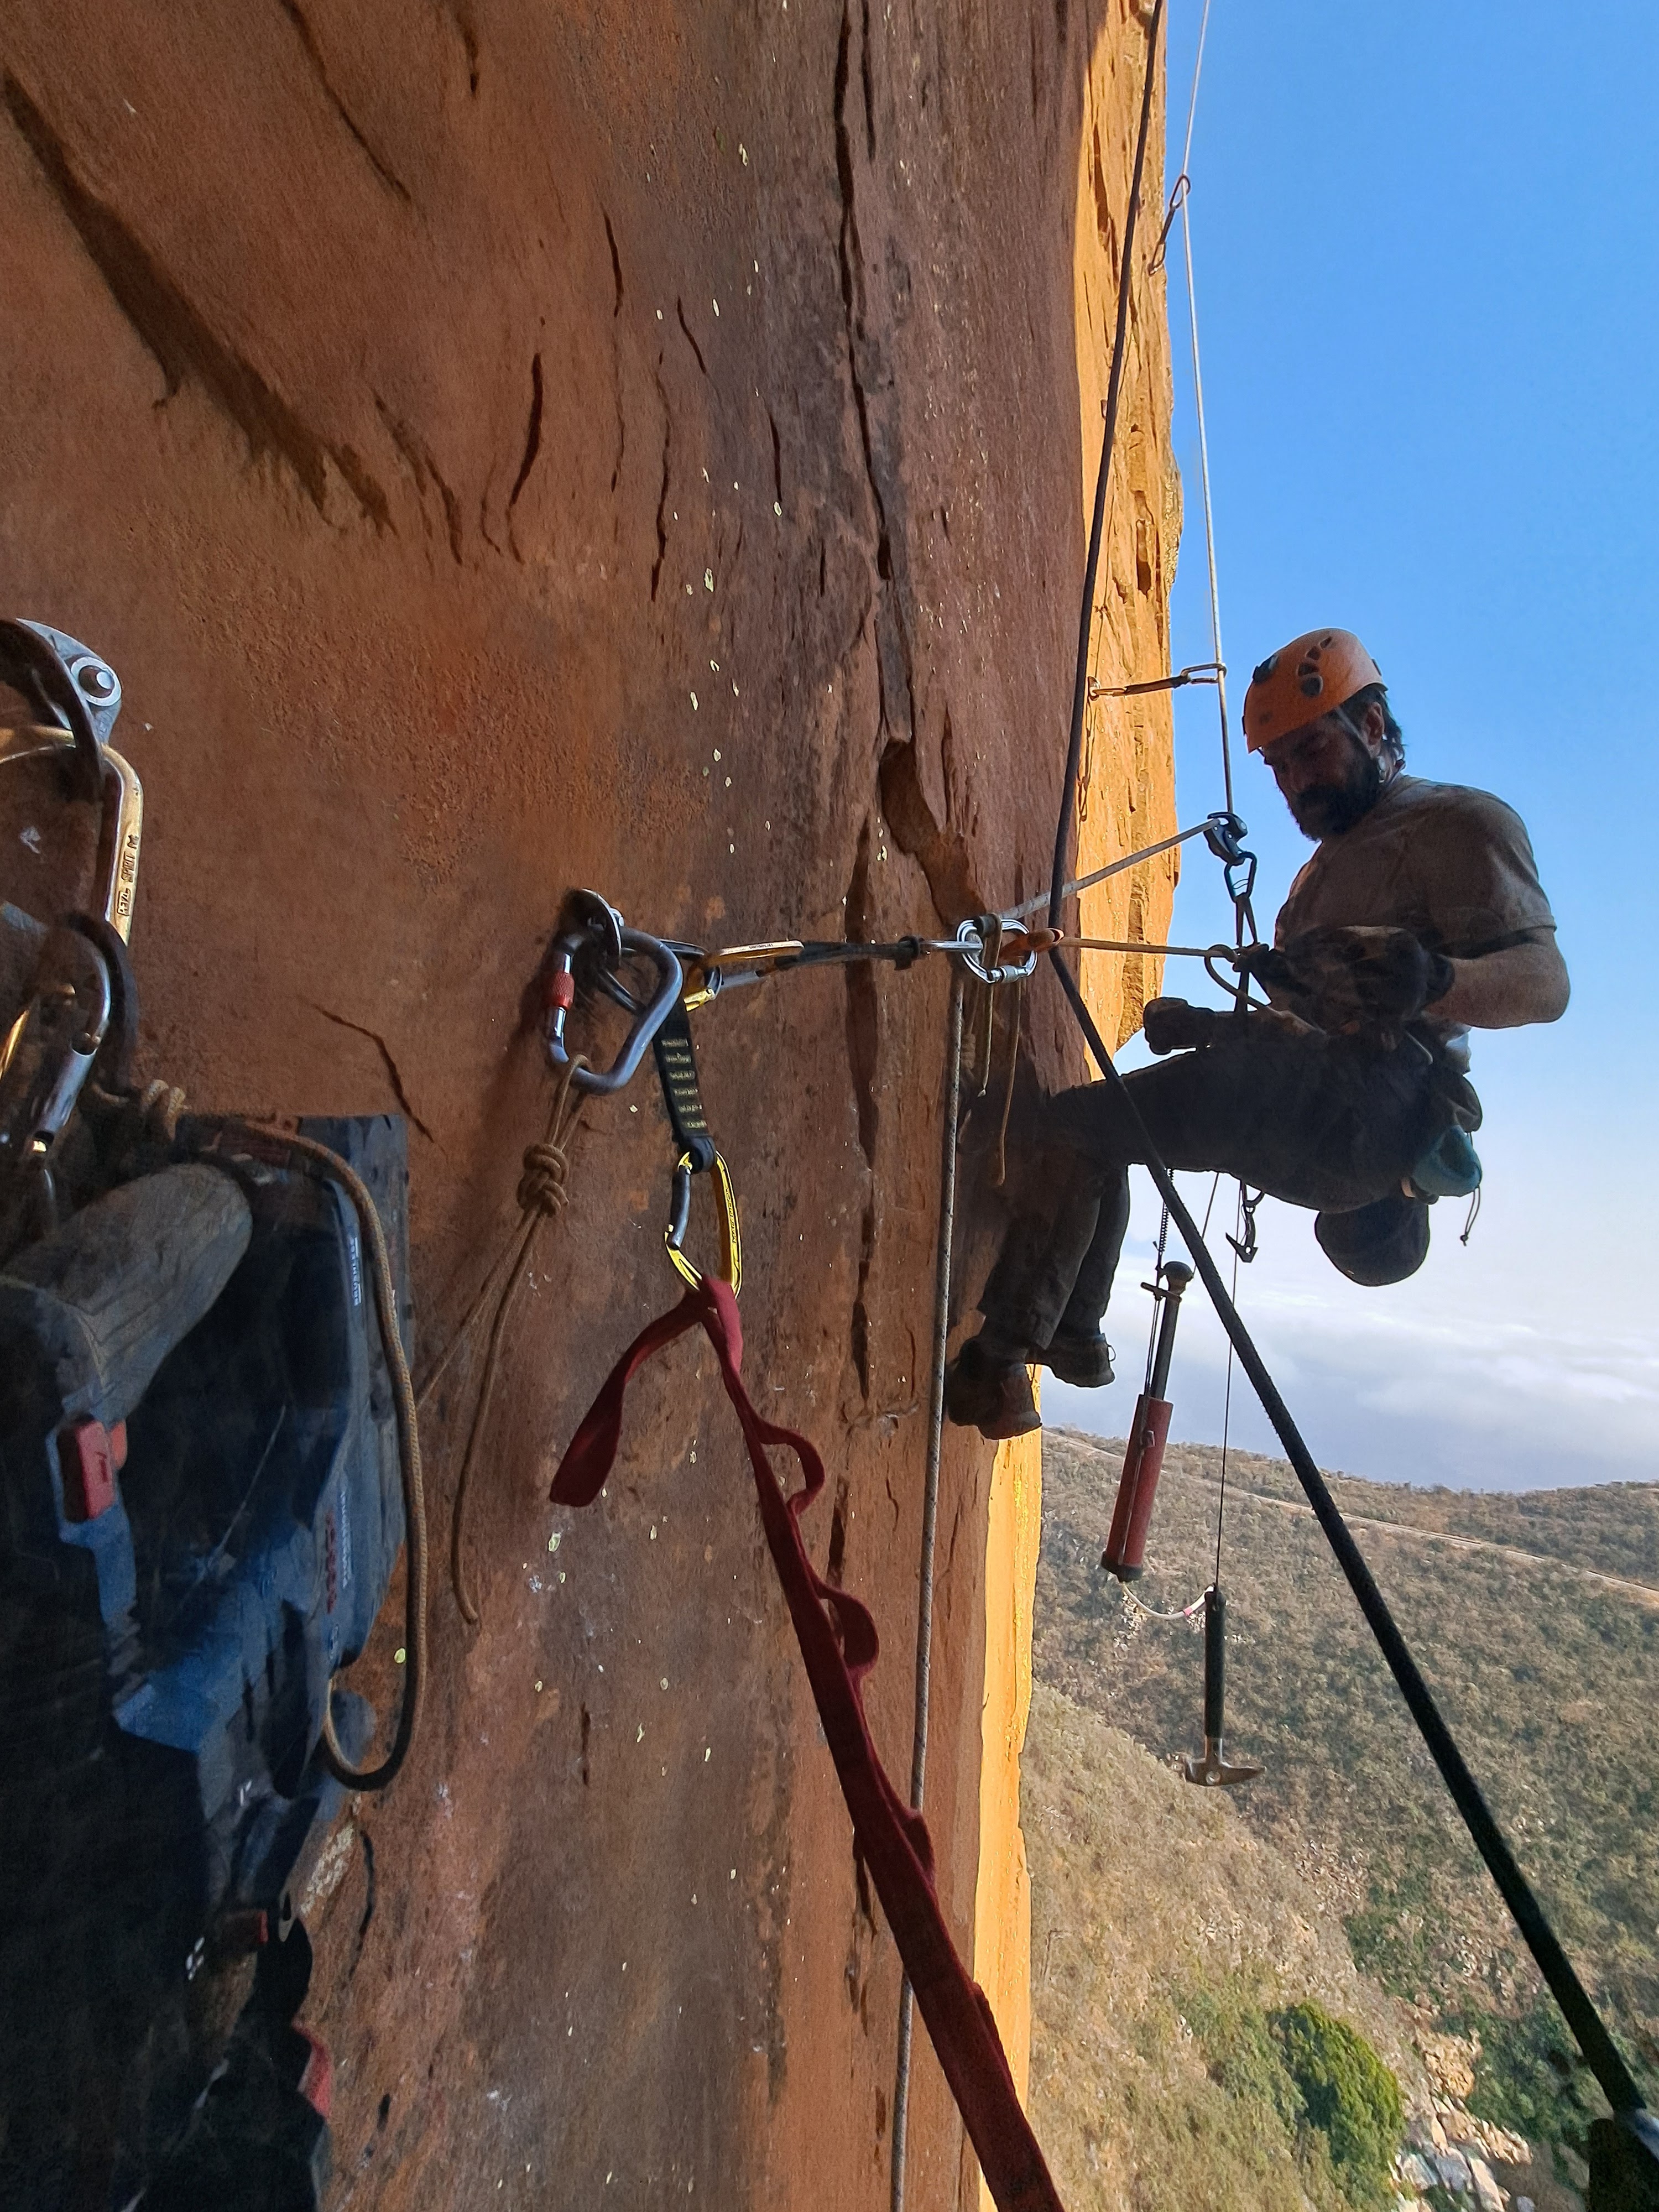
(929, 1529)
(1097, 525)
(1198, 409)
(542, 1193)
(1040, 899)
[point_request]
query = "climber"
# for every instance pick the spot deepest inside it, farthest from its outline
(1419, 917)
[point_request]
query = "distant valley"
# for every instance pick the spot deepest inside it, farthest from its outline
(1535, 1619)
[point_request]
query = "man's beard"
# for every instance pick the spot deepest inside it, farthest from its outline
(1327, 809)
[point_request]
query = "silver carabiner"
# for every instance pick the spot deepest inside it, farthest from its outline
(969, 946)
(599, 932)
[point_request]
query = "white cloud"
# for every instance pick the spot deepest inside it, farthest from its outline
(1527, 1360)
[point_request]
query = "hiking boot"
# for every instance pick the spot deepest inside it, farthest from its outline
(991, 1395)
(1081, 1356)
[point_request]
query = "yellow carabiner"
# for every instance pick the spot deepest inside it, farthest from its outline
(731, 1234)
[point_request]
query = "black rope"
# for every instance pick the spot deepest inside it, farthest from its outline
(1097, 525)
(1601, 2053)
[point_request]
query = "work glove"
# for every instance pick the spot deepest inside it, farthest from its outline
(1354, 981)
(1174, 1025)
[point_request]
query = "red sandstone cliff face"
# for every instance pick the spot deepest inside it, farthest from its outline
(504, 447)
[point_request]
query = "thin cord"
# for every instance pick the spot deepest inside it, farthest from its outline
(541, 1192)
(1192, 102)
(1227, 1400)
(1151, 1613)
(1203, 433)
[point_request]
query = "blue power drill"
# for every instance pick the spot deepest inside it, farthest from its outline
(201, 1509)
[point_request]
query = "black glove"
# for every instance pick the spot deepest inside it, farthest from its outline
(1173, 1025)
(1356, 981)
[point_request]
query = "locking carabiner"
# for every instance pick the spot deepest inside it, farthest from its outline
(977, 947)
(595, 936)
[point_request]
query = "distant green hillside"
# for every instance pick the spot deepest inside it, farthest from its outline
(1174, 1958)
(1548, 1671)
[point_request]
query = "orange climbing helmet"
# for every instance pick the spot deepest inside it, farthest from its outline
(1311, 675)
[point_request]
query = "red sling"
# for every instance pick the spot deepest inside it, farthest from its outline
(838, 1643)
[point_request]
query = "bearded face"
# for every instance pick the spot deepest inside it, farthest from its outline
(1329, 779)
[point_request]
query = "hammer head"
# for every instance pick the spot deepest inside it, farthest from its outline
(1214, 1771)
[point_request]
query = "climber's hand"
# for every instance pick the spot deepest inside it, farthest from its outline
(1173, 1025)
(1360, 980)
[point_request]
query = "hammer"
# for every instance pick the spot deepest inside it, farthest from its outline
(1143, 1457)
(1214, 1771)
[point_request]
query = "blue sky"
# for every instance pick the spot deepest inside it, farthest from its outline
(1427, 252)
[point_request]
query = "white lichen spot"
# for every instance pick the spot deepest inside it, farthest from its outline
(708, 580)
(694, 703)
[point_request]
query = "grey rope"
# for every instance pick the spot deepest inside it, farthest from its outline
(930, 1526)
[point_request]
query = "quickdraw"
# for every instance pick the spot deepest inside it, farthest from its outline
(696, 1154)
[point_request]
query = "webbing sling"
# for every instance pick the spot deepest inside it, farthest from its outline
(838, 1643)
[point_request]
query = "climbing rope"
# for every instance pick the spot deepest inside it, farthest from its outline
(543, 1192)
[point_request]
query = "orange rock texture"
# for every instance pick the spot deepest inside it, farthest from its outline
(504, 447)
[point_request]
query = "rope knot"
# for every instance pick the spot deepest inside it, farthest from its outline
(542, 1185)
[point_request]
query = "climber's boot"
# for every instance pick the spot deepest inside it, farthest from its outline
(1081, 1356)
(990, 1391)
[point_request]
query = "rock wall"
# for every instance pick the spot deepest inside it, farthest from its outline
(504, 447)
